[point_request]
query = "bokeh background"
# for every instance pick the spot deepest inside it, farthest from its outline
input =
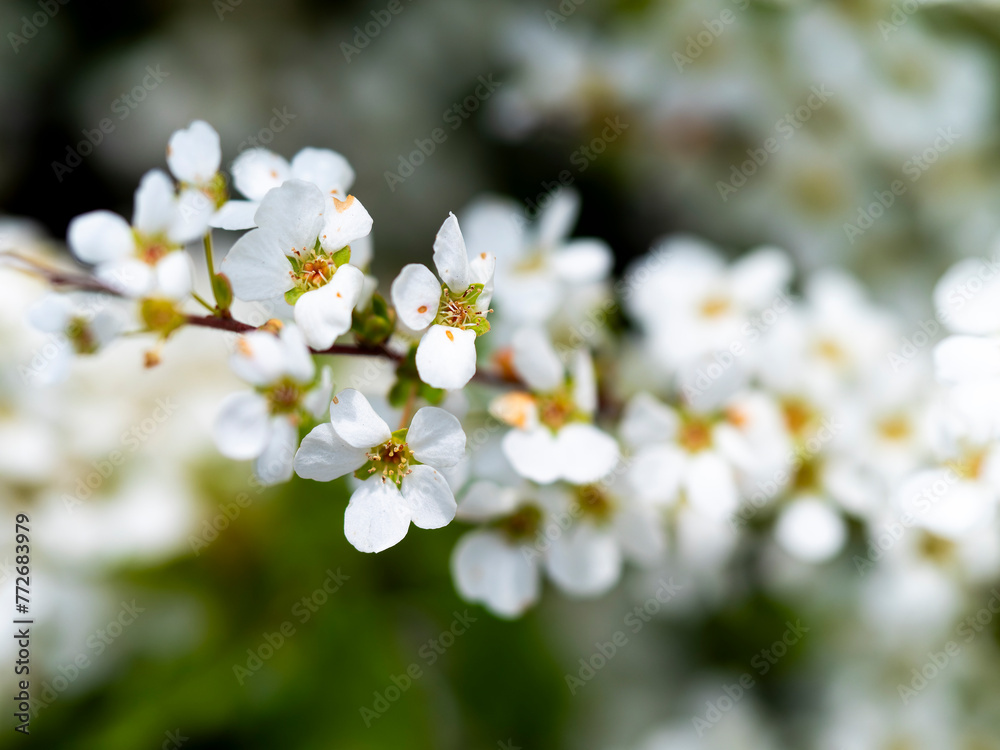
(898, 74)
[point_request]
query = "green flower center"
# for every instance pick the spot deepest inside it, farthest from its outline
(459, 310)
(283, 397)
(521, 525)
(393, 460)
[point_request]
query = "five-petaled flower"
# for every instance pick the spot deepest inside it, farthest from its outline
(450, 315)
(301, 249)
(401, 482)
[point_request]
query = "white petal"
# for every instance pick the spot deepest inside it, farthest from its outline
(555, 224)
(648, 420)
(656, 472)
(416, 295)
(426, 492)
(376, 517)
(446, 357)
(274, 465)
(155, 203)
(130, 276)
(450, 255)
(482, 270)
(584, 561)
(241, 428)
(355, 420)
(259, 358)
(346, 221)
(584, 453)
(52, 313)
(192, 217)
(294, 214)
(967, 297)
(194, 153)
(326, 169)
(485, 500)
(175, 275)
(486, 569)
(362, 252)
(257, 170)
(532, 453)
(584, 382)
(436, 437)
(536, 361)
(325, 456)
(296, 359)
(640, 533)
(100, 236)
(324, 314)
(959, 359)
(317, 401)
(256, 267)
(583, 261)
(761, 275)
(710, 485)
(235, 215)
(810, 530)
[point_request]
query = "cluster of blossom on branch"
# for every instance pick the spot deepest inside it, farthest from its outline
(667, 415)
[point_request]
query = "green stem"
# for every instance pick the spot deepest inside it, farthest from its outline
(200, 300)
(208, 253)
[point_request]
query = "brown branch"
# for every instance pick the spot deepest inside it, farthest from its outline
(57, 277)
(231, 324)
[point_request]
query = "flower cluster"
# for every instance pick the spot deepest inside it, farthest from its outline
(729, 406)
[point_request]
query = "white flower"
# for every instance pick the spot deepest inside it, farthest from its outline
(539, 272)
(194, 155)
(690, 454)
(554, 436)
(691, 304)
(257, 171)
(499, 565)
(451, 314)
(810, 530)
(303, 249)
(404, 483)
(87, 321)
(146, 258)
(262, 424)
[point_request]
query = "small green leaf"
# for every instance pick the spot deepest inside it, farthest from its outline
(223, 291)
(342, 256)
(292, 295)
